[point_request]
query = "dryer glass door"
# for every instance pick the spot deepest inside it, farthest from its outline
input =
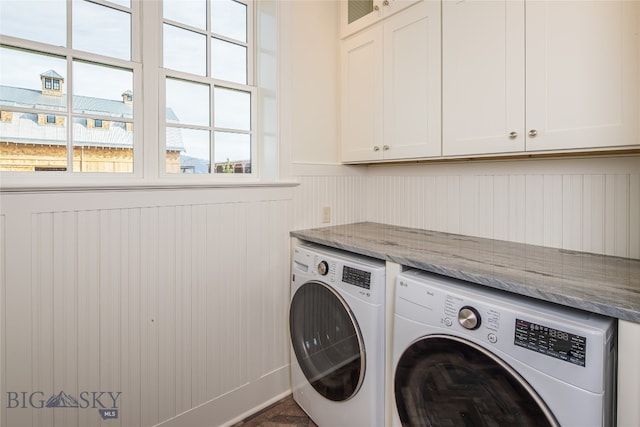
(326, 341)
(445, 380)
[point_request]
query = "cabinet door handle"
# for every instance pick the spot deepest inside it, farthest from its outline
(533, 133)
(513, 135)
(376, 148)
(376, 8)
(385, 147)
(385, 3)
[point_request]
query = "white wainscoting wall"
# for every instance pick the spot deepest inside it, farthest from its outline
(176, 299)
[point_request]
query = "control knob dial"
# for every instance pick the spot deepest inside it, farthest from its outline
(323, 268)
(469, 318)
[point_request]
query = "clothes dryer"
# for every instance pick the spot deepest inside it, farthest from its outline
(468, 355)
(336, 323)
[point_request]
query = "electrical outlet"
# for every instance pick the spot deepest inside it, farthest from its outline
(326, 214)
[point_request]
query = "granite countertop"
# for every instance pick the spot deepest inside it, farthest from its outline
(596, 283)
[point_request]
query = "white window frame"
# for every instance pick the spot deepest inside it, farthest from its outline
(149, 163)
(10, 179)
(212, 83)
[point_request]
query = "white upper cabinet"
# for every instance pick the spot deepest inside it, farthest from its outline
(358, 14)
(483, 77)
(540, 75)
(391, 89)
(582, 74)
(362, 96)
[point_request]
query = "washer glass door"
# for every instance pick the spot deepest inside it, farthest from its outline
(327, 341)
(444, 380)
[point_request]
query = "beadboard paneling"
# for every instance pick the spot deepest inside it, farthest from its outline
(593, 207)
(173, 305)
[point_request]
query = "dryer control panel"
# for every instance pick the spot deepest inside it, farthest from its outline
(356, 277)
(552, 342)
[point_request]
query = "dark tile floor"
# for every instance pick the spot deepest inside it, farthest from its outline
(285, 413)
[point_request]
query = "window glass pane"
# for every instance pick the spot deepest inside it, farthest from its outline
(188, 150)
(101, 90)
(102, 30)
(232, 152)
(228, 61)
(184, 50)
(22, 79)
(187, 103)
(232, 109)
(32, 142)
(41, 21)
(190, 12)
(229, 19)
(101, 145)
(358, 9)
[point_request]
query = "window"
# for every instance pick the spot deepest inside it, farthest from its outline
(206, 96)
(209, 93)
(82, 76)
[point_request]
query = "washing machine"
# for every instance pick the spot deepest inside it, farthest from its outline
(467, 355)
(336, 324)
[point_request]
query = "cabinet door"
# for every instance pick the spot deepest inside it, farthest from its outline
(582, 74)
(362, 96)
(412, 126)
(483, 77)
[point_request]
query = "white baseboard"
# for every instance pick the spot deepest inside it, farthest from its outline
(236, 405)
